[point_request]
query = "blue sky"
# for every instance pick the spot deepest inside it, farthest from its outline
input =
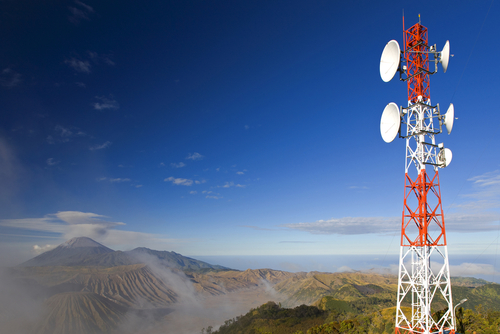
(234, 128)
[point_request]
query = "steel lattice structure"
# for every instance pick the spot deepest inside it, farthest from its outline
(424, 274)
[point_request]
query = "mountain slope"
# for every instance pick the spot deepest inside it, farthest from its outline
(80, 313)
(170, 259)
(306, 288)
(68, 253)
(132, 286)
(83, 251)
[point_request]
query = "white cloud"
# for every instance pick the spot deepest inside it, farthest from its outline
(211, 194)
(487, 179)
(100, 147)
(213, 197)
(349, 225)
(345, 269)
(240, 173)
(114, 180)
(82, 66)
(70, 224)
(358, 187)
(200, 182)
(473, 269)
(472, 222)
(37, 250)
(178, 165)
(193, 192)
(179, 181)
(119, 180)
(232, 184)
(9, 78)
(63, 135)
(51, 162)
(79, 13)
(456, 222)
(106, 103)
(100, 58)
(485, 194)
(195, 156)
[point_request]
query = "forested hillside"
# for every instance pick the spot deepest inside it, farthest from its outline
(363, 309)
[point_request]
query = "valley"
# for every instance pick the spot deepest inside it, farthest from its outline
(147, 291)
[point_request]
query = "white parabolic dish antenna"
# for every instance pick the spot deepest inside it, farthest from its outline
(390, 122)
(389, 62)
(449, 117)
(444, 157)
(445, 56)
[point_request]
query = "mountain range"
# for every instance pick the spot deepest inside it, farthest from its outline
(84, 287)
(83, 251)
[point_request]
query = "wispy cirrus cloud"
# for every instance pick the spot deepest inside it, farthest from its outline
(105, 103)
(80, 11)
(211, 194)
(457, 222)
(349, 225)
(97, 58)
(485, 194)
(101, 146)
(195, 156)
(10, 78)
(232, 184)
(214, 196)
(63, 134)
(82, 66)
(114, 180)
(474, 215)
(51, 162)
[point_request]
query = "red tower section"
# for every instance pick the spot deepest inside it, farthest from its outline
(423, 234)
(417, 60)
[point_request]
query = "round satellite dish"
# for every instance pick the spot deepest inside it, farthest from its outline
(389, 62)
(444, 157)
(445, 56)
(449, 117)
(390, 122)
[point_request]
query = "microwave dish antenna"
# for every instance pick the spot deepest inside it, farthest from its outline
(445, 56)
(424, 273)
(444, 157)
(449, 118)
(390, 60)
(390, 122)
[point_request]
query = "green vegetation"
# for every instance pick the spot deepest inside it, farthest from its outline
(272, 318)
(367, 309)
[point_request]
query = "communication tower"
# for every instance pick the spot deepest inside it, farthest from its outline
(424, 273)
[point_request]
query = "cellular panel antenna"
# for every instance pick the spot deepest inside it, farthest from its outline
(424, 272)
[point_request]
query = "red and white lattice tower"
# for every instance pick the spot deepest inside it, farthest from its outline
(424, 275)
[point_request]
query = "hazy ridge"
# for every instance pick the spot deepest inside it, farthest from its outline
(84, 287)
